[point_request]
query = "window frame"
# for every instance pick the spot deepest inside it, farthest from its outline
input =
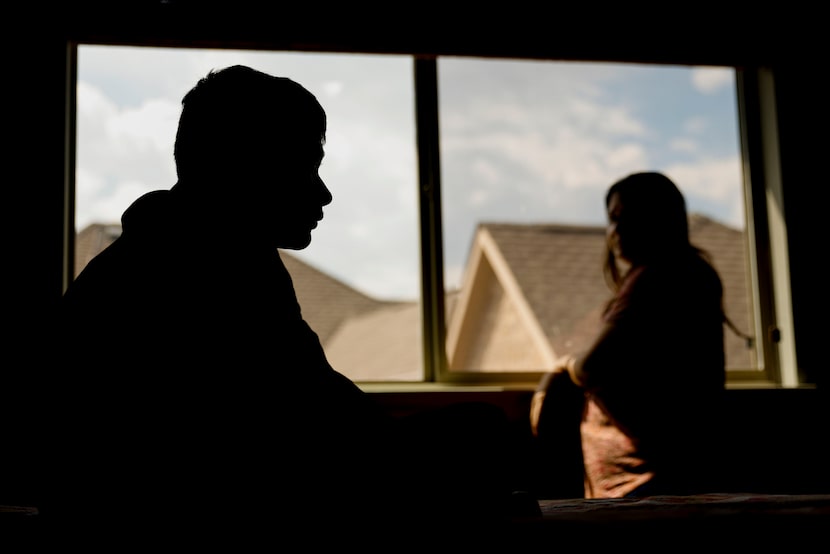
(766, 228)
(766, 231)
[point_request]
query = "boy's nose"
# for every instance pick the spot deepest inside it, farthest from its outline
(326, 196)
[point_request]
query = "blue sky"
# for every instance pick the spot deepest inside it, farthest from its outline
(521, 141)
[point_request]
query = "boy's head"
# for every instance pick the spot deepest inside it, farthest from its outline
(252, 143)
(236, 116)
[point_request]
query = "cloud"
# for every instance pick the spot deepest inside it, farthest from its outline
(710, 188)
(333, 88)
(568, 142)
(122, 152)
(104, 202)
(152, 124)
(696, 124)
(709, 80)
(684, 145)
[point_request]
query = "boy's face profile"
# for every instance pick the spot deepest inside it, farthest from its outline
(287, 194)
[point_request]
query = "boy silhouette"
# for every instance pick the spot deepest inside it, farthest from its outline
(199, 404)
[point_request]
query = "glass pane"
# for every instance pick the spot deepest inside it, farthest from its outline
(359, 281)
(528, 149)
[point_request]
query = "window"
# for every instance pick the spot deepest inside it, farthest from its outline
(358, 282)
(442, 172)
(527, 151)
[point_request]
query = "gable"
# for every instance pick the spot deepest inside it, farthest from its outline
(492, 328)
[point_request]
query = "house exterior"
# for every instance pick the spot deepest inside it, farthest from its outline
(530, 293)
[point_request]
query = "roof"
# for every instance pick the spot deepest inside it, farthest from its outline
(558, 271)
(91, 240)
(327, 302)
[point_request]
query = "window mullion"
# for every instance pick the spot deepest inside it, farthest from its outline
(429, 194)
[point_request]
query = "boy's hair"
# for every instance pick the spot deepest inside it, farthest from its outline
(238, 113)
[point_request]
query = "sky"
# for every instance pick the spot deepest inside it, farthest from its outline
(521, 141)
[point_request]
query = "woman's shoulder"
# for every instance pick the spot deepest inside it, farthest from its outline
(702, 272)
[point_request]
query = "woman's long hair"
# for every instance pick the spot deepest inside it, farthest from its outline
(655, 219)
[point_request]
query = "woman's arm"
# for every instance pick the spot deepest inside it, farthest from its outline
(555, 397)
(607, 350)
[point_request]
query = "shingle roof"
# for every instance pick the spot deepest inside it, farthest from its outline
(391, 335)
(559, 270)
(325, 301)
(91, 240)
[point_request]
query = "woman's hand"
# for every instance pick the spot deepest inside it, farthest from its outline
(565, 362)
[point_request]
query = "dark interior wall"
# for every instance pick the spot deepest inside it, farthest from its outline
(803, 126)
(33, 203)
(685, 33)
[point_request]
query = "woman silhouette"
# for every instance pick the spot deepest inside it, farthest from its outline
(653, 378)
